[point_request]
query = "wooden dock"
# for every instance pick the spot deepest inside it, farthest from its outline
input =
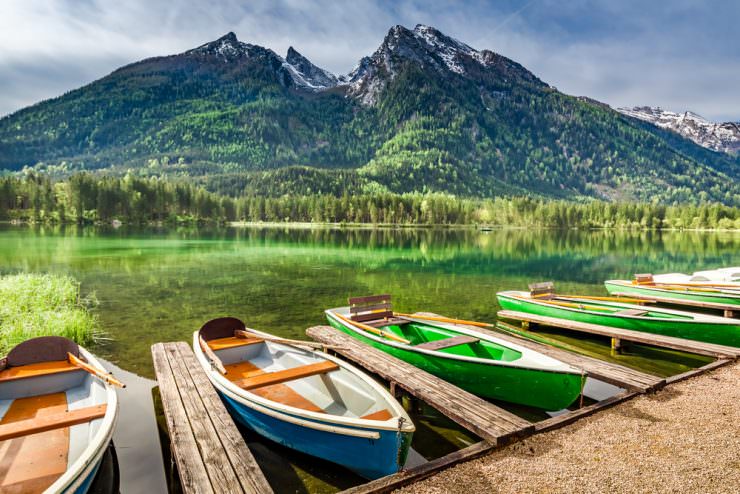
(615, 374)
(618, 334)
(727, 309)
(484, 419)
(209, 450)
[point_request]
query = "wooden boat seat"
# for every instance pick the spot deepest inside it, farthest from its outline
(38, 369)
(543, 290)
(279, 393)
(232, 342)
(392, 321)
(380, 415)
(631, 312)
(370, 308)
(279, 377)
(448, 342)
(20, 428)
(32, 463)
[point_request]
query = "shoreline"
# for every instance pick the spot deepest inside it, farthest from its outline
(682, 438)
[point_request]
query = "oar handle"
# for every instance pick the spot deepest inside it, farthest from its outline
(100, 374)
(444, 319)
(250, 333)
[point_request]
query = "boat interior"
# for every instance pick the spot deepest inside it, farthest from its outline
(50, 410)
(293, 376)
(376, 311)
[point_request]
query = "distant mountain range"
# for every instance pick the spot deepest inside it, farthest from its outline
(424, 112)
(723, 137)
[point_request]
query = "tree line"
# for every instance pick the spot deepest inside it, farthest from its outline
(85, 198)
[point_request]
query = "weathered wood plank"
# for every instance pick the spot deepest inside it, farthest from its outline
(190, 466)
(475, 414)
(223, 478)
(406, 477)
(248, 472)
(210, 453)
(700, 370)
(448, 342)
(691, 346)
(615, 374)
(370, 299)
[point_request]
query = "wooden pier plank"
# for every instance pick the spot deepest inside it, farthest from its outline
(208, 449)
(691, 346)
(484, 419)
(615, 374)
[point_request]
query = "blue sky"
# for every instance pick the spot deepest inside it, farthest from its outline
(678, 54)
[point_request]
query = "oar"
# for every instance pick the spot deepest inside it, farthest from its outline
(444, 319)
(100, 374)
(609, 299)
(574, 306)
(373, 330)
(240, 333)
(215, 361)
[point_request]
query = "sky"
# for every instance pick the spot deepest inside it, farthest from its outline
(677, 54)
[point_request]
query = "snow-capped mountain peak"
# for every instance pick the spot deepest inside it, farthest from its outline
(306, 74)
(723, 137)
(227, 47)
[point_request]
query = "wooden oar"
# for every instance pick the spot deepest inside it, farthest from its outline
(609, 299)
(100, 374)
(574, 306)
(249, 333)
(444, 319)
(370, 329)
(705, 288)
(215, 361)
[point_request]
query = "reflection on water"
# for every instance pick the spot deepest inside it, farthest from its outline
(161, 285)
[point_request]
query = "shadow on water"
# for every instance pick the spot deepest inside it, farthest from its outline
(161, 284)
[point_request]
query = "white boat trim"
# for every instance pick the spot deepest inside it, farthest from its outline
(306, 418)
(529, 360)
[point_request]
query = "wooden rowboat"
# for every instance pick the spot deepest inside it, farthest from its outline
(475, 361)
(668, 322)
(304, 399)
(58, 409)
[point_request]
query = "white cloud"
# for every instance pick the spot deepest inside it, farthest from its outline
(681, 54)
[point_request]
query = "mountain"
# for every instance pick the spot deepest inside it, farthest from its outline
(724, 137)
(424, 112)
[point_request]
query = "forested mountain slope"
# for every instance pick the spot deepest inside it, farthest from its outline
(423, 113)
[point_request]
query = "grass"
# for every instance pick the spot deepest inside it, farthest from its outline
(34, 305)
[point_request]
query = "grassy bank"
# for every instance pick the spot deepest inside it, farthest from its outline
(42, 304)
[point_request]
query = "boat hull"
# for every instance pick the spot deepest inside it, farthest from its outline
(537, 388)
(678, 295)
(720, 333)
(368, 457)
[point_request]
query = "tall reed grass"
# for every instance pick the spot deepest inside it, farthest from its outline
(44, 304)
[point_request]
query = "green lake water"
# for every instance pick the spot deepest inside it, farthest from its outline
(161, 285)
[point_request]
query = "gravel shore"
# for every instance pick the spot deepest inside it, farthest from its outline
(683, 439)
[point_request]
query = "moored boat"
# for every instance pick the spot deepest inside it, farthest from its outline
(475, 361)
(668, 322)
(58, 409)
(672, 287)
(304, 399)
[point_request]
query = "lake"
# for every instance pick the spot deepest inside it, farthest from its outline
(162, 284)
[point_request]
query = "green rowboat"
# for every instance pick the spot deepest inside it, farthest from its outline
(477, 362)
(704, 294)
(668, 322)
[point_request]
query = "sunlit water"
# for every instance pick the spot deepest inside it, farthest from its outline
(161, 285)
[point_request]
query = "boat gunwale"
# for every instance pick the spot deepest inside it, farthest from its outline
(469, 332)
(351, 424)
(694, 317)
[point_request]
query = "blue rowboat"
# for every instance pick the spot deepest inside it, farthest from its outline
(58, 409)
(304, 399)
